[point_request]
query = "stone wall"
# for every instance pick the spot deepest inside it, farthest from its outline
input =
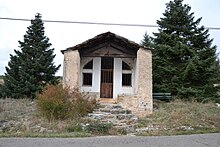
(141, 104)
(71, 69)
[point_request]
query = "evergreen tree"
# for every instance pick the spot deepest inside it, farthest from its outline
(31, 68)
(184, 61)
(147, 41)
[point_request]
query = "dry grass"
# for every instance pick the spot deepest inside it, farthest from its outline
(14, 109)
(180, 117)
(22, 118)
(177, 117)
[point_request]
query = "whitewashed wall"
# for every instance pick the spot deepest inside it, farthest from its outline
(96, 74)
(118, 89)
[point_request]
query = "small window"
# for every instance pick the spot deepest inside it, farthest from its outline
(87, 79)
(126, 79)
(89, 65)
(126, 74)
(125, 66)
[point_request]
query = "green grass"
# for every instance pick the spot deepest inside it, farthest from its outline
(180, 117)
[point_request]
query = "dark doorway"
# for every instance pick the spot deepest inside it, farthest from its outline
(107, 65)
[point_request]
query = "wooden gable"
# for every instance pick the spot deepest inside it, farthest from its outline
(107, 44)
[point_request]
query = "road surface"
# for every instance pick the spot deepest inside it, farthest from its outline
(205, 140)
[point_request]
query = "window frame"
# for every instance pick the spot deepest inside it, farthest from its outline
(87, 71)
(86, 82)
(126, 71)
(127, 84)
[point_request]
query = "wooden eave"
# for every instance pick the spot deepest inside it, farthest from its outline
(105, 38)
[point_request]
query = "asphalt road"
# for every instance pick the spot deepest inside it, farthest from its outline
(210, 140)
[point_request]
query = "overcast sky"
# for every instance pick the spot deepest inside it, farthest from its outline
(63, 36)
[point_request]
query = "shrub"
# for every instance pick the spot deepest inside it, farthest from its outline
(81, 104)
(53, 102)
(56, 102)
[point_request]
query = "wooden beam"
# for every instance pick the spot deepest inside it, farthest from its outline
(108, 46)
(110, 55)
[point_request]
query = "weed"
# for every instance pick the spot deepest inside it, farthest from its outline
(53, 102)
(81, 106)
(58, 103)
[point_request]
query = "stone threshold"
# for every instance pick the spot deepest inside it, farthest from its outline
(106, 100)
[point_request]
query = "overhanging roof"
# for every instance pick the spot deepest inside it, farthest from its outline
(103, 38)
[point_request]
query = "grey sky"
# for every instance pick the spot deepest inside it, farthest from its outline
(114, 11)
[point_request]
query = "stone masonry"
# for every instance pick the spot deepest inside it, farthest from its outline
(71, 69)
(141, 104)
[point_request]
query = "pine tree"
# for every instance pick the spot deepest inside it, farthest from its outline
(32, 67)
(184, 61)
(147, 41)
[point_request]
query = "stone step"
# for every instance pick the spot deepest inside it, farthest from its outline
(119, 117)
(104, 115)
(106, 100)
(110, 106)
(117, 123)
(113, 111)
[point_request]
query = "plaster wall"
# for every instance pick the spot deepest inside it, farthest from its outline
(141, 103)
(96, 74)
(71, 69)
(117, 83)
(137, 98)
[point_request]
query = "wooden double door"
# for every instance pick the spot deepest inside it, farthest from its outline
(107, 66)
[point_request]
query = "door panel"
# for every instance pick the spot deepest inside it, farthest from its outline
(106, 83)
(106, 90)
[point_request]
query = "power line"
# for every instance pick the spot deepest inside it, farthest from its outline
(96, 23)
(83, 22)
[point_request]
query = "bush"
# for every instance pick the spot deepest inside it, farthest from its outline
(53, 102)
(81, 105)
(56, 102)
